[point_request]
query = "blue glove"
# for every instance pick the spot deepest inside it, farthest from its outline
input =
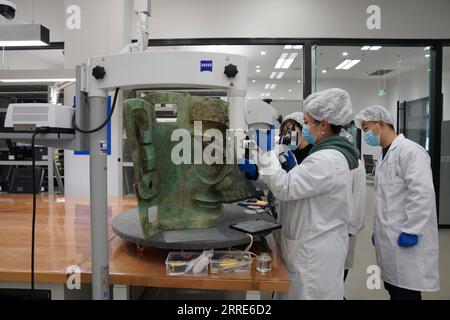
(290, 160)
(249, 168)
(265, 139)
(373, 239)
(407, 240)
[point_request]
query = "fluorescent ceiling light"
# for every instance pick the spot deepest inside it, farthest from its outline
(253, 81)
(21, 35)
(267, 86)
(273, 75)
(258, 70)
(257, 67)
(36, 80)
(324, 71)
(273, 86)
(365, 48)
(345, 54)
(342, 64)
(282, 98)
(375, 48)
(280, 75)
(298, 47)
(289, 90)
(426, 49)
(287, 62)
(299, 81)
(281, 60)
(427, 55)
(295, 47)
(288, 46)
(351, 64)
(263, 53)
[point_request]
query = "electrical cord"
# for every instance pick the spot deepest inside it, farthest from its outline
(108, 118)
(33, 170)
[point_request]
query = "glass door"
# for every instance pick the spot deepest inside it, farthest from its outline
(444, 199)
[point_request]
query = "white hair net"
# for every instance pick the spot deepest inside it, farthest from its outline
(296, 116)
(333, 105)
(373, 113)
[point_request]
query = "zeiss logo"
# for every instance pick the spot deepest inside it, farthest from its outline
(206, 65)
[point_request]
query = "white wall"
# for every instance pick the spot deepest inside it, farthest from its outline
(49, 13)
(297, 18)
(287, 107)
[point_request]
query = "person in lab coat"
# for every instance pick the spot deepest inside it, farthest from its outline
(405, 224)
(293, 123)
(357, 219)
(314, 236)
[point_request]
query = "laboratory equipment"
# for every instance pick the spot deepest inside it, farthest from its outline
(264, 263)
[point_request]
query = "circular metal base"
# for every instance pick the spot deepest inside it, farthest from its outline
(127, 226)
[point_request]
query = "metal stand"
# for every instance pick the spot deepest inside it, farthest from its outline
(98, 199)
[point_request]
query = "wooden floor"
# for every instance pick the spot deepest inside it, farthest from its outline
(63, 239)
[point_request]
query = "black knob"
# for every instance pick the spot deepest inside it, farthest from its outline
(231, 71)
(98, 72)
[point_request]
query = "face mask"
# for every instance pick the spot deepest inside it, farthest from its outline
(306, 131)
(371, 139)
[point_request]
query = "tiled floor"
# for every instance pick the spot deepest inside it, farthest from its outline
(355, 288)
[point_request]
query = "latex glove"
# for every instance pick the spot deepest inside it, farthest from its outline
(265, 139)
(291, 161)
(407, 240)
(249, 168)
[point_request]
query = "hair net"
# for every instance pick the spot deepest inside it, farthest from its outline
(296, 116)
(333, 105)
(373, 113)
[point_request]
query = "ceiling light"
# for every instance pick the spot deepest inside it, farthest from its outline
(299, 81)
(273, 86)
(342, 64)
(263, 53)
(427, 55)
(257, 67)
(267, 86)
(280, 75)
(324, 71)
(365, 48)
(288, 46)
(289, 90)
(267, 94)
(24, 35)
(345, 54)
(281, 60)
(298, 47)
(287, 62)
(375, 48)
(36, 80)
(253, 81)
(282, 98)
(258, 70)
(351, 64)
(426, 49)
(273, 75)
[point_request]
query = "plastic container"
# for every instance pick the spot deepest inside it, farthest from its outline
(264, 263)
(230, 262)
(183, 263)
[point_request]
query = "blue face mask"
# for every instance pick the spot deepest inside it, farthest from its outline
(371, 139)
(306, 131)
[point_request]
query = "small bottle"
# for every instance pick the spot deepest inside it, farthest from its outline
(264, 263)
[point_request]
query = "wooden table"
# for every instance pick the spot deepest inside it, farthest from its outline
(63, 238)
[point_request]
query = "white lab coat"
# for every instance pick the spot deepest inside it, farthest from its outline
(405, 202)
(317, 204)
(357, 219)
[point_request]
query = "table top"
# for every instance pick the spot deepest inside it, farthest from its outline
(63, 239)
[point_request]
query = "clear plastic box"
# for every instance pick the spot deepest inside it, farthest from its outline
(181, 263)
(230, 262)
